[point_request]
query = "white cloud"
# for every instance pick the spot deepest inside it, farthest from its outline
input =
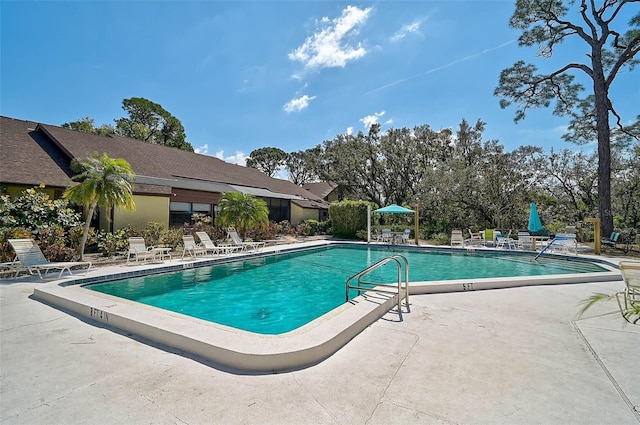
(369, 120)
(297, 105)
(328, 46)
(349, 131)
(202, 149)
(239, 158)
(389, 121)
(413, 27)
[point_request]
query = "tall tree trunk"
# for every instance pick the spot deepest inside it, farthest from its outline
(604, 144)
(87, 225)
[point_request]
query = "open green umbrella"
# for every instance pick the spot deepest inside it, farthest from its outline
(394, 209)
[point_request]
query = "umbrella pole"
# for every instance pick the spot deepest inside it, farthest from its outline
(368, 223)
(416, 224)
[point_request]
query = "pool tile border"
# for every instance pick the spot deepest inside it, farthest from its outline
(242, 351)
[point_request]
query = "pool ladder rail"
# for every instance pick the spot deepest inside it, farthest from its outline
(380, 287)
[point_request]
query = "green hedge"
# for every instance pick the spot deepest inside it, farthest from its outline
(347, 217)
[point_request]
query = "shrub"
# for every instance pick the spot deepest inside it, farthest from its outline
(347, 217)
(441, 239)
(110, 243)
(265, 233)
(172, 238)
(303, 229)
(35, 215)
(58, 253)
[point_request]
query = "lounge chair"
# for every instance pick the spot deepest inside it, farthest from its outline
(564, 243)
(138, 250)
(10, 266)
(31, 258)
(210, 247)
(191, 247)
(456, 238)
(629, 299)
(235, 238)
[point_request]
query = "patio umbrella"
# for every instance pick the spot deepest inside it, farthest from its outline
(394, 209)
(534, 220)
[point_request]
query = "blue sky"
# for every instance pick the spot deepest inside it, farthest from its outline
(288, 74)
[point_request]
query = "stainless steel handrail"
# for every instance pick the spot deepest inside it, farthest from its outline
(377, 286)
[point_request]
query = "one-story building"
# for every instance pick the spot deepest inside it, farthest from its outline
(171, 185)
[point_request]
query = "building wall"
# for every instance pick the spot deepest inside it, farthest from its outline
(15, 191)
(148, 208)
(332, 196)
(299, 214)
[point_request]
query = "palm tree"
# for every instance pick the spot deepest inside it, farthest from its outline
(242, 210)
(104, 182)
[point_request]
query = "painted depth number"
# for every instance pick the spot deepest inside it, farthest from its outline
(97, 314)
(467, 287)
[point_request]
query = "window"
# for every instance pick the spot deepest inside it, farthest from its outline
(181, 212)
(279, 209)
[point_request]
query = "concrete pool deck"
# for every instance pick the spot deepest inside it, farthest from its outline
(516, 355)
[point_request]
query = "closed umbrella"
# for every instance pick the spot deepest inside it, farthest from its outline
(534, 219)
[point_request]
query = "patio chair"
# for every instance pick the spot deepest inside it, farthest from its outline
(564, 243)
(525, 241)
(404, 238)
(191, 247)
(456, 238)
(235, 238)
(629, 299)
(10, 266)
(611, 241)
(138, 250)
(386, 236)
(489, 237)
(210, 247)
(474, 239)
(504, 241)
(31, 258)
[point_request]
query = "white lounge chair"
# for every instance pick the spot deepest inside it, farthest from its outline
(564, 244)
(629, 299)
(233, 235)
(138, 250)
(191, 247)
(32, 259)
(456, 238)
(210, 247)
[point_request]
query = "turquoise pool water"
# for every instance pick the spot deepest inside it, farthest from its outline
(278, 293)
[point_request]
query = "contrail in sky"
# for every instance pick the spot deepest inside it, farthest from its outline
(439, 68)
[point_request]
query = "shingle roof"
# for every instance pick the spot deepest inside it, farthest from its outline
(305, 203)
(320, 189)
(146, 160)
(28, 157)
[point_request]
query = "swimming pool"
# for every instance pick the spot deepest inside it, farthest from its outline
(280, 293)
(237, 350)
